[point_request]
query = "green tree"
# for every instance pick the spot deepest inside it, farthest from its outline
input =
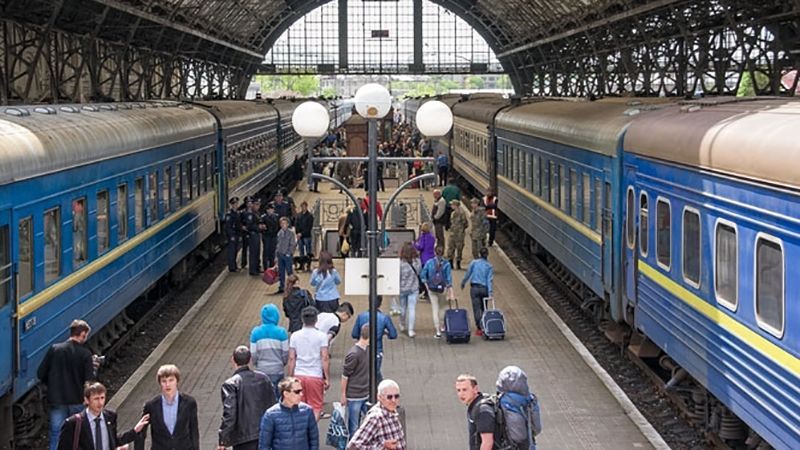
(328, 92)
(475, 82)
(747, 86)
(304, 85)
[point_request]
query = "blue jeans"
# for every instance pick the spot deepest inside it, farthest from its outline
(284, 268)
(408, 310)
(304, 246)
(355, 409)
(275, 378)
(378, 363)
(58, 414)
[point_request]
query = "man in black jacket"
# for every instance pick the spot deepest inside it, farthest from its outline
(173, 415)
(270, 225)
(245, 397)
(96, 428)
(304, 223)
(65, 369)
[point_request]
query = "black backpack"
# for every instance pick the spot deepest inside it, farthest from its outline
(501, 440)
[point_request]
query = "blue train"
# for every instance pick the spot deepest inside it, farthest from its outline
(98, 202)
(676, 221)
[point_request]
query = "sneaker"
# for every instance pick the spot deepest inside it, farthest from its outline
(279, 291)
(394, 312)
(411, 334)
(478, 332)
(438, 335)
(324, 415)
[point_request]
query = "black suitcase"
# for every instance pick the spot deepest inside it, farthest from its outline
(456, 324)
(493, 322)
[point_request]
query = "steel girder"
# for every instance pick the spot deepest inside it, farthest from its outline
(681, 49)
(39, 64)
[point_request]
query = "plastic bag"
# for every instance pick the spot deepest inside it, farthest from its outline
(337, 435)
(345, 247)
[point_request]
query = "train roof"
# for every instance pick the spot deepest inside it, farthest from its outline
(590, 125)
(480, 109)
(286, 107)
(754, 138)
(233, 113)
(35, 140)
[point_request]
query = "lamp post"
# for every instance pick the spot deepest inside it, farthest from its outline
(372, 101)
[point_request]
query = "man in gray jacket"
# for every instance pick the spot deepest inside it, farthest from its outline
(245, 397)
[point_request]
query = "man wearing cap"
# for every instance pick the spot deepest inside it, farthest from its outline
(282, 208)
(251, 222)
(270, 226)
(243, 233)
(458, 229)
(232, 227)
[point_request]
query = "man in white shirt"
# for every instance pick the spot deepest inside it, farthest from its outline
(331, 323)
(309, 360)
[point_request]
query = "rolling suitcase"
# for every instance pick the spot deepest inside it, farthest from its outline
(456, 324)
(493, 322)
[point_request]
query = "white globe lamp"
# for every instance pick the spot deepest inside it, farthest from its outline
(372, 101)
(310, 120)
(434, 119)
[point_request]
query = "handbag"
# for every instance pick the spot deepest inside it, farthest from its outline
(270, 276)
(337, 435)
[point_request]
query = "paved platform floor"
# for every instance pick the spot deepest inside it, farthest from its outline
(579, 411)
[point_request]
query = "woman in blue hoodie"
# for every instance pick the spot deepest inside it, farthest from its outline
(269, 346)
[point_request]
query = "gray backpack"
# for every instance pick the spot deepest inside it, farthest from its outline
(520, 408)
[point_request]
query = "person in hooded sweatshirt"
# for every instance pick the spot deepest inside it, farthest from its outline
(269, 346)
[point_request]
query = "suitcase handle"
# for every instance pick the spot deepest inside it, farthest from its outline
(486, 303)
(451, 297)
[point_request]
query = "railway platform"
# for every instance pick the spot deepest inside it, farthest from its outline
(582, 407)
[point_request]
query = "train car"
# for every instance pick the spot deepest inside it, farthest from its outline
(473, 150)
(289, 142)
(340, 111)
(247, 146)
(98, 203)
(711, 209)
(410, 107)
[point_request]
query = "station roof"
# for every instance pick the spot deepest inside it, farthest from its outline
(235, 30)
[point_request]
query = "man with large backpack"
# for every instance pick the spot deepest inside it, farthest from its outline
(519, 407)
(480, 413)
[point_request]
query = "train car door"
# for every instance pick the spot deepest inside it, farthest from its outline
(7, 301)
(630, 244)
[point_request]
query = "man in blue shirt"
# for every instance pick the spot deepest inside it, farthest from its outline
(480, 274)
(443, 164)
(384, 325)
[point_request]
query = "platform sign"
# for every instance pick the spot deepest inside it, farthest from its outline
(356, 279)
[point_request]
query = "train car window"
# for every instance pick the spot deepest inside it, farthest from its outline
(102, 222)
(537, 176)
(644, 230)
(517, 165)
(663, 233)
(205, 172)
(212, 170)
(152, 197)
(178, 185)
(629, 228)
(25, 264)
(587, 199)
(605, 216)
(197, 179)
(52, 244)
(769, 284)
(190, 180)
(166, 191)
(138, 205)
(79, 234)
(5, 266)
(573, 193)
(530, 172)
(691, 247)
(553, 183)
(122, 212)
(562, 188)
(185, 183)
(726, 265)
(598, 206)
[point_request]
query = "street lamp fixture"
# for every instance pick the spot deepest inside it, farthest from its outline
(372, 101)
(434, 119)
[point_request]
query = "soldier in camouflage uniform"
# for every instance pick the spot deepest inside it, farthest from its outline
(458, 229)
(479, 227)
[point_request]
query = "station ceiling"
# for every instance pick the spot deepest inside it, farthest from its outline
(567, 38)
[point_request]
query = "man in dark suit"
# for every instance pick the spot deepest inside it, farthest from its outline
(173, 415)
(95, 428)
